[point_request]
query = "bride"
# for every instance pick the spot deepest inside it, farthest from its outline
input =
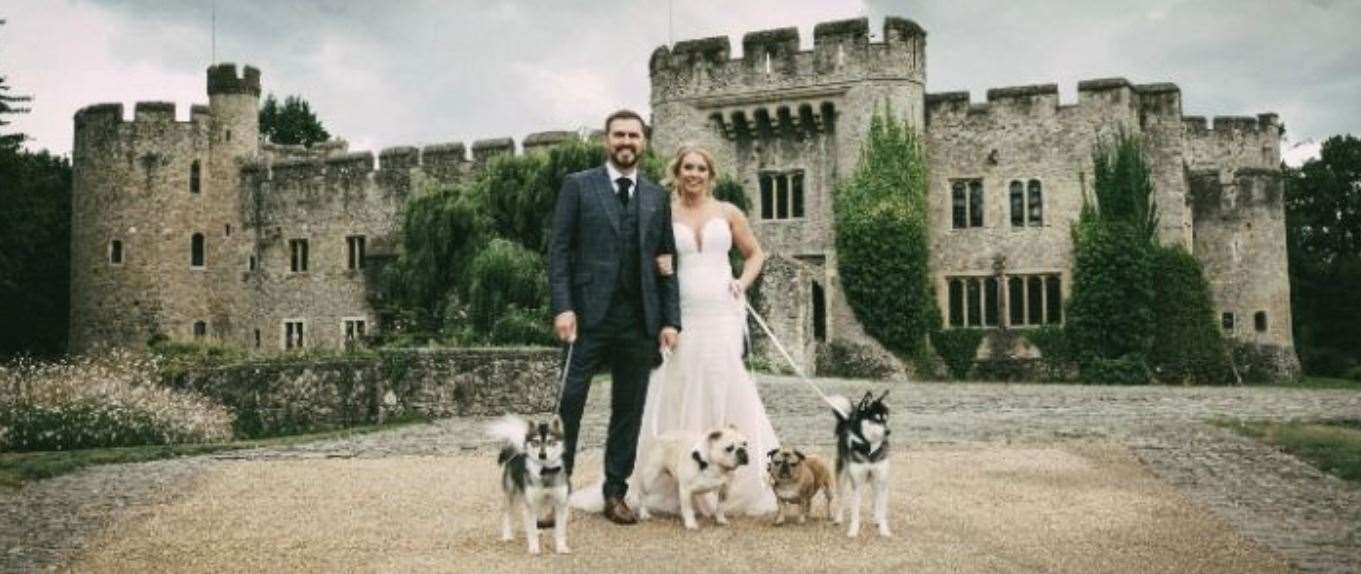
(703, 384)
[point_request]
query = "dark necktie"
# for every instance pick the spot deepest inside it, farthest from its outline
(624, 185)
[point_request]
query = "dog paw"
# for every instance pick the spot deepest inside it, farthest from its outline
(534, 550)
(564, 549)
(723, 520)
(691, 526)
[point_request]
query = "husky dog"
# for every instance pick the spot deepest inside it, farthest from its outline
(700, 464)
(861, 457)
(532, 477)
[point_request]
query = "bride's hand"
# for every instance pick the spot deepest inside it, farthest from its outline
(664, 265)
(737, 287)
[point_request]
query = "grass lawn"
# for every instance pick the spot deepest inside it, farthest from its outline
(1332, 446)
(17, 467)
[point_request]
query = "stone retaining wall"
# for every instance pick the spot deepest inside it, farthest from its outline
(285, 396)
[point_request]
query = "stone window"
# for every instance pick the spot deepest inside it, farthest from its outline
(116, 252)
(956, 303)
(229, 230)
(200, 330)
(1226, 321)
(1027, 203)
(196, 251)
(1259, 321)
(252, 263)
(257, 338)
(354, 252)
(1034, 300)
(819, 313)
(1053, 299)
(1035, 203)
(990, 301)
(297, 249)
(1015, 299)
(293, 334)
(966, 199)
(229, 135)
(194, 173)
(782, 195)
(1017, 204)
(354, 330)
(973, 301)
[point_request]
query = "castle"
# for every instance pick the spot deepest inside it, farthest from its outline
(199, 231)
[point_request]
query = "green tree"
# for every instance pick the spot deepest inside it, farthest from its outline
(8, 106)
(1188, 346)
(1110, 313)
(882, 238)
(35, 228)
(1323, 234)
(292, 123)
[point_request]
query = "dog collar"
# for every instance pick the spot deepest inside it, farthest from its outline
(699, 460)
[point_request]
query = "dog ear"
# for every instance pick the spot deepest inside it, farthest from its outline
(772, 452)
(881, 397)
(713, 436)
(800, 454)
(556, 425)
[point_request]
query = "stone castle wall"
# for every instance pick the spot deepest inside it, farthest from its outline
(778, 110)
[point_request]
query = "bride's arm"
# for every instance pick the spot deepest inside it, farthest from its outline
(742, 236)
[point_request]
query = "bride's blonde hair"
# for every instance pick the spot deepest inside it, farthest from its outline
(673, 169)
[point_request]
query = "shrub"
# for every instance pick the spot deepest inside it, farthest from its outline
(502, 276)
(523, 327)
(1187, 345)
(1056, 355)
(1110, 313)
(959, 349)
(1126, 370)
(883, 238)
(106, 400)
(841, 358)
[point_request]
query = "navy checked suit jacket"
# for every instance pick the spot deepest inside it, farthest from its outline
(583, 252)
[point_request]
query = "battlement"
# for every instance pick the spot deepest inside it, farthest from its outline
(841, 51)
(105, 123)
(1228, 125)
(222, 79)
(1117, 94)
(542, 140)
(484, 150)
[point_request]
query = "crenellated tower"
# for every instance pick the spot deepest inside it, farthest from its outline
(153, 207)
(787, 123)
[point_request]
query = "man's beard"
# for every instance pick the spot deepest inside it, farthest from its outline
(621, 159)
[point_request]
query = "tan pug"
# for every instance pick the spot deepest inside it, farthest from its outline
(700, 464)
(796, 479)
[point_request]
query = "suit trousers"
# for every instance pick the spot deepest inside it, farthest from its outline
(621, 341)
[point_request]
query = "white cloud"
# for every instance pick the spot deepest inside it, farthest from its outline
(409, 72)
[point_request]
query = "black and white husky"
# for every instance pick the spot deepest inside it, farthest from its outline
(532, 477)
(862, 457)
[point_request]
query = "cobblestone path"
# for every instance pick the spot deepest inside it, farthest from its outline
(1312, 519)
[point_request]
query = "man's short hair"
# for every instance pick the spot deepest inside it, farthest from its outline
(625, 115)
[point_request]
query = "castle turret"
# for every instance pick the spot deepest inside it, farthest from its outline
(787, 123)
(153, 212)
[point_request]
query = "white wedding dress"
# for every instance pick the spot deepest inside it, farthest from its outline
(704, 384)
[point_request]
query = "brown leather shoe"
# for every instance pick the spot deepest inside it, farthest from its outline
(618, 512)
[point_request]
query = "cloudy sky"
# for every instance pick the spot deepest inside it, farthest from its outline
(414, 72)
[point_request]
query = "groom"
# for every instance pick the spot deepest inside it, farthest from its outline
(609, 226)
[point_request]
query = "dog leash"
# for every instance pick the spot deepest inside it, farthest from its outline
(797, 370)
(562, 381)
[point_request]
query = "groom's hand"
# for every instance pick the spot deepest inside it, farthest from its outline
(668, 338)
(566, 325)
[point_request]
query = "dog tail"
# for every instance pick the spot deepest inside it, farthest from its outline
(511, 431)
(842, 404)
